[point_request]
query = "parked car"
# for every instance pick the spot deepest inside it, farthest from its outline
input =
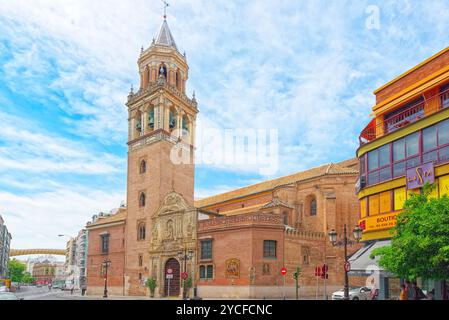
(355, 293)
(9, 296)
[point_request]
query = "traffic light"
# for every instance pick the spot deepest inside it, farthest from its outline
(295, 276)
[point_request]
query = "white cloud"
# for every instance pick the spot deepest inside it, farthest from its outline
(36, 220)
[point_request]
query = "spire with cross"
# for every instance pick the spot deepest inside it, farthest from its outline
(166, 5)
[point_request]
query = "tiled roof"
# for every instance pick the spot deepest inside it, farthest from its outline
(328, 169)
(119, 216)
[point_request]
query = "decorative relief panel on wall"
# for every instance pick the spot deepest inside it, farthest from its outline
(233, 268)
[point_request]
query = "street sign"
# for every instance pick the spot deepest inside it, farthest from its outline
(184, 276)
(318, 271)
(283, 271)
(169, 271)
(347, 266)
(324, 270)
(169, 276)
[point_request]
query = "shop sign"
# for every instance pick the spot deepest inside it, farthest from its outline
(380, 222)
(418, 176)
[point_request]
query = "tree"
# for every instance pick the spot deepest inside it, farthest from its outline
(27, 278)
(420, 244)
(16, 270)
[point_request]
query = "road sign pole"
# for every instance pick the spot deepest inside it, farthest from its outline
(168, 289)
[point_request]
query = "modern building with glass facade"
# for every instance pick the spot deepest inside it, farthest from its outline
(409, 133)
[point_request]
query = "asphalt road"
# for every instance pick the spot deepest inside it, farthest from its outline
(34, 293)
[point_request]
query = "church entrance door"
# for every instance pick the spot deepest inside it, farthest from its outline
(172, 283)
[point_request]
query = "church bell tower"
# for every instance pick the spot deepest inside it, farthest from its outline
(161, 143)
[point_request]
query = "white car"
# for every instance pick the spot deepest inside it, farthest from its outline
(355, 293)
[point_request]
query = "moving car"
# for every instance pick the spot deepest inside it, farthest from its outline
(8, 296)
(355, 293)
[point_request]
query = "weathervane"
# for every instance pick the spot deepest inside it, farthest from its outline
(166, 5)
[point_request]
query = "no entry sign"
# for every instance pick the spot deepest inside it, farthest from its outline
(347, 266)
(284, 271)
(169, 271)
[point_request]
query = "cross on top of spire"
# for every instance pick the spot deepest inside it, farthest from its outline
(166, 5)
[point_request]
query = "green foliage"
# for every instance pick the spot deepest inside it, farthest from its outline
(151, 283)
(16, 270)
(27, 278)
(420, 245)
(188, 283)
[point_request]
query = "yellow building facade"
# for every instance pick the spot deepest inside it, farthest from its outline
(405, 145)
(410, 129)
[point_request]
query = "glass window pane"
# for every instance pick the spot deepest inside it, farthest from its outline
(202, 272)
(210, 272)
(413, 162)
(430, 156)
(399, 169)
(412, 144)
(373, 178)
(362, 165)
(384, 155)
(429, 138)
(443, 133)
(399, 150)
(444, 154)
(373, 160)
(385, 174)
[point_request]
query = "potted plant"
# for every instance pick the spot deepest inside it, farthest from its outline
(188, 285)
(151, 284)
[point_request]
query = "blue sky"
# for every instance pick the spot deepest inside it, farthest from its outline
(305, 68)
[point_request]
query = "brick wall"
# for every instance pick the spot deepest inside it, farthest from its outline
(95, 258)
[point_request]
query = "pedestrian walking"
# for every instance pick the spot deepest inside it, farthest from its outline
(418, 294)
(72, 289)
(83, 289)
(404, 293)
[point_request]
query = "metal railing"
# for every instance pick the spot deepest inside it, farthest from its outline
(408, 116)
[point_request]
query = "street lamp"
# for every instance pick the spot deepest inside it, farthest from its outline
(345, 242)
(185, 256)
(106, 265)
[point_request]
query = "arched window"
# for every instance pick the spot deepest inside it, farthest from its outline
(142, 200)
(313, 207)
(151, 118)
(140, 260)
(141, 232)
(185, 123)
(172, 121)
(163, 71)
(143, 167)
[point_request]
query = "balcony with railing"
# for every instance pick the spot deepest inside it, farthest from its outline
(405, 116)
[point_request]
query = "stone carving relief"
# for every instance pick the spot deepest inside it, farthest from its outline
(233, 268)
(252, 275)
(169, 230)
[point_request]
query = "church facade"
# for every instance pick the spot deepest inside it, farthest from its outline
(231, 245)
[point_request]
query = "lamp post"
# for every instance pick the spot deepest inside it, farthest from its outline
(106, 265)
(185, 256)
(357, 233)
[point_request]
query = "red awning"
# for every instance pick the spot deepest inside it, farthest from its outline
(369, 132)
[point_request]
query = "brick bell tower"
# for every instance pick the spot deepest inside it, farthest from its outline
(160, 148)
